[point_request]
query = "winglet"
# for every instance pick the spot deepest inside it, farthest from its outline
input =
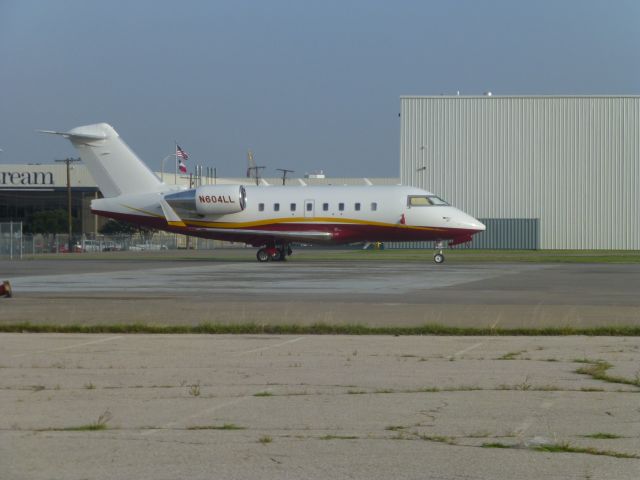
(170, 214)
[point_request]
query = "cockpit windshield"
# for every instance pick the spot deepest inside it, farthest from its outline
(424, 201)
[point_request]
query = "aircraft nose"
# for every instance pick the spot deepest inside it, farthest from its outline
(479, 226)
(467, 221)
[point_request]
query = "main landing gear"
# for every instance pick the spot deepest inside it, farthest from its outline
(275, 253)
(438, 257)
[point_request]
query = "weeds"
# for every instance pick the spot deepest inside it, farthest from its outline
(194, 390)
(597, 369)
(339, 437)
(263, 394)
(394, 428)
(265, 439)
(510, 355)
(603, 436)
(568, 448)
(565, 447)
(438, 438)
(100, 424)
(496, 445)
(226, 426)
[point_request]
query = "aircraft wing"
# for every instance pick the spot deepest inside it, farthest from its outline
(290, 235)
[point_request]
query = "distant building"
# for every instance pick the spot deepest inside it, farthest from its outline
(26, 189)
(551, 172)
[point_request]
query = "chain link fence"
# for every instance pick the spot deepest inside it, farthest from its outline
(11, 240)
(16, 245)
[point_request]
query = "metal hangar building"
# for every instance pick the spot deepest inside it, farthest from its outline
(548, 172)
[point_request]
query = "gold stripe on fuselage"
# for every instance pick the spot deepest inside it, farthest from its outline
(272, 221)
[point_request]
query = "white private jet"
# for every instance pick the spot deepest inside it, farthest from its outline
(267, 217)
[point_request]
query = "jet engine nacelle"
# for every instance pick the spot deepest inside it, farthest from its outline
(220, 199)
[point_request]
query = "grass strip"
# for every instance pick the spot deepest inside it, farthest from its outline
(597, 369)
(564, 447)
(568, 448)
(226, 426)
(316, 329)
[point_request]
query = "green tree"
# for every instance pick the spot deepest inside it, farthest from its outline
(49, 221)
(115, 227)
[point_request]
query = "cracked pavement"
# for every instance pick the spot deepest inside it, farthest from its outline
(333, 406)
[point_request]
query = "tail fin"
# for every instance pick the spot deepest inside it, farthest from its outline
(113, 165)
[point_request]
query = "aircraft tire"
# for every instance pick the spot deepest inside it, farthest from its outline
(438, 258)
(262, 255)
(277, 256)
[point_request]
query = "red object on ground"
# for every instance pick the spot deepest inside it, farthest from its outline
(5, 289)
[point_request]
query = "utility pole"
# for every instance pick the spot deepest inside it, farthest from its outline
(68, 162)
(257, 172)
(284, 174)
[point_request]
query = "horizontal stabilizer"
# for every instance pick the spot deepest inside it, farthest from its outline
(85, 136)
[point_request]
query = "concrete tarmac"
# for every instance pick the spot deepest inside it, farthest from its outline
(160, 289)
(317, 407)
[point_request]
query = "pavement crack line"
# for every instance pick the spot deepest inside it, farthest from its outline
(268, 347)
(68, 347)
(468, 349)
(197, 414)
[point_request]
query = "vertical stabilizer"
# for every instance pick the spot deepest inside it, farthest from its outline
(113, 165)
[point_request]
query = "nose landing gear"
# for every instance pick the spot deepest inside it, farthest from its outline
(439, 256)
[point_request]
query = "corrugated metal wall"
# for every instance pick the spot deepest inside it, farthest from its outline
(572, 162)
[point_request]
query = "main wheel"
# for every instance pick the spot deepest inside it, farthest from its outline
(438, 258)
(262, 255)
(277, 255)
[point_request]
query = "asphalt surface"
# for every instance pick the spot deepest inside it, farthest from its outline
(316, 407)
(165, 290)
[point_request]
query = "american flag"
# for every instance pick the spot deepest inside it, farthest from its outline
(181, 153)
(181, 166)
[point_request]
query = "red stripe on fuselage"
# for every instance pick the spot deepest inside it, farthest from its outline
(341, 232)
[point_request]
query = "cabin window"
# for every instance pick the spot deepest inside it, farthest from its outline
(293, 207)
(341, 206)
(309, 206)
(276, 207)
(357, 207)
(261, 207)
(374, 206)
(325, 207)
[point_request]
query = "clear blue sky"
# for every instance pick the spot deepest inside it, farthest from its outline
(306, 85)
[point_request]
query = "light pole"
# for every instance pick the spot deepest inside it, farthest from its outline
(68, 162)
(162, 165)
